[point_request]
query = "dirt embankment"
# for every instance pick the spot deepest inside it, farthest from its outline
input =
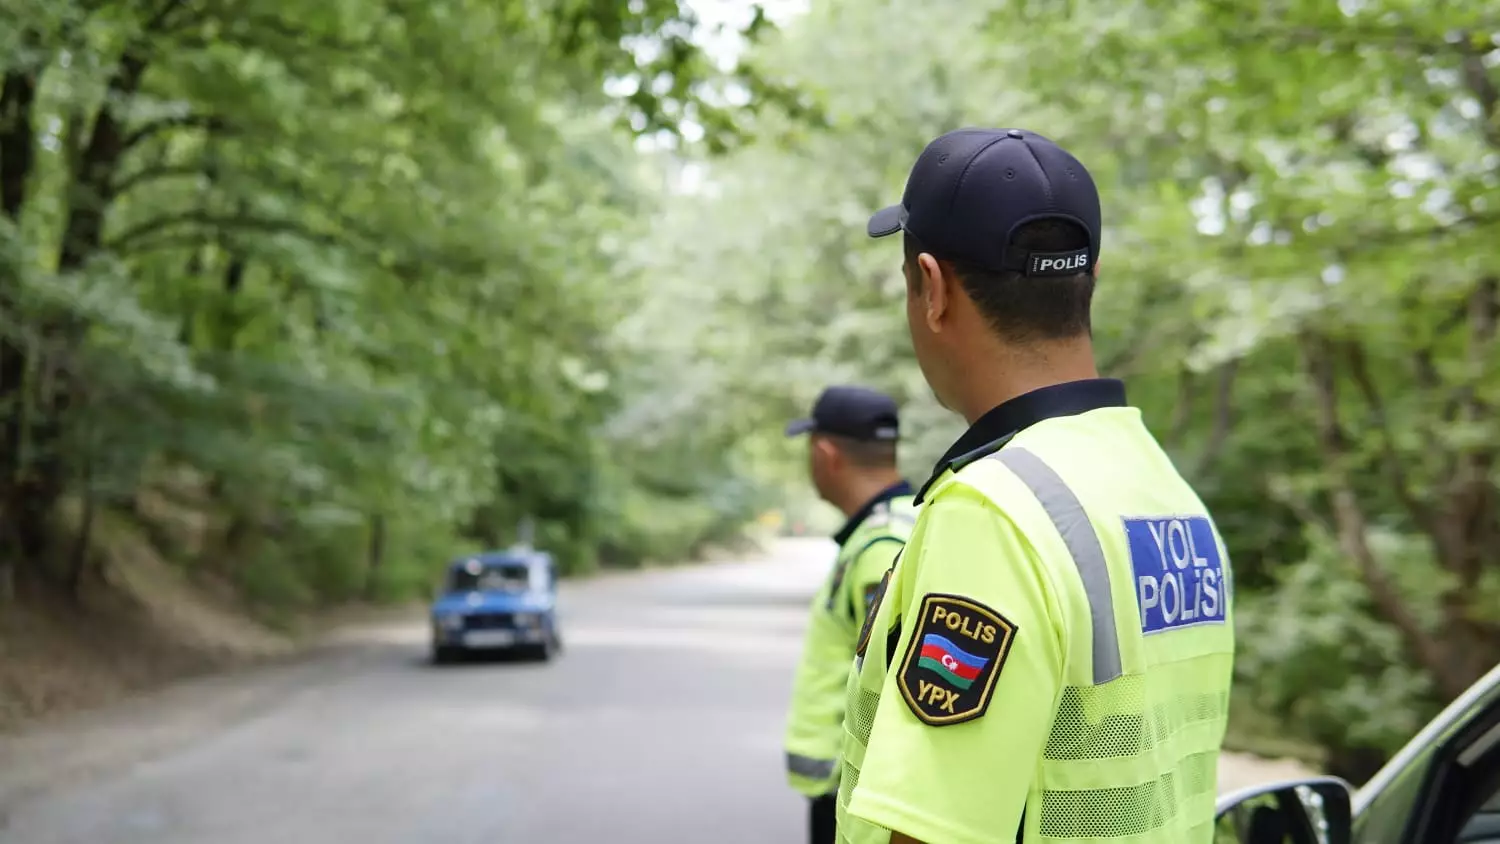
(140, 626)
(141, 623)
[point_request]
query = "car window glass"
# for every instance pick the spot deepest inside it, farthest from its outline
(1470, 786)
(1383, 819)
(1484, 826)
(505, 578)
(490, 577)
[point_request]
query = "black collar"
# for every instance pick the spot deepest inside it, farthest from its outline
(895, 490)
(991, 430)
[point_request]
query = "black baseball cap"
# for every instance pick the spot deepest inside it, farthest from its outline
(854, 412)
(972, 188)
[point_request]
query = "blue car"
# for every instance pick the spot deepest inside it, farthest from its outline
(500, 600)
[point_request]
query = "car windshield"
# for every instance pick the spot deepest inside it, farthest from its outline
(475, 576)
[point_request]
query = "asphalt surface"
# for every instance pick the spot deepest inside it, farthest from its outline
(660, 723)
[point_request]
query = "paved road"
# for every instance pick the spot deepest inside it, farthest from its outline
(660, 723)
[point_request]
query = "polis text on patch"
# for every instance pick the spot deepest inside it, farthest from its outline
(1058, 263)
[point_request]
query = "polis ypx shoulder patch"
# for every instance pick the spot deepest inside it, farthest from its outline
(954, 657)
(1179, 573)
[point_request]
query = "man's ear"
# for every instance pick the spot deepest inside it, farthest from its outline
(827, 451)
(935, 294)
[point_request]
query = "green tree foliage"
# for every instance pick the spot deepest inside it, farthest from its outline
(342, 277)
(361, 284)
(1299, 283)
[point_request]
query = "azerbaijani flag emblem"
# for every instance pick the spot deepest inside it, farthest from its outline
(949, 661)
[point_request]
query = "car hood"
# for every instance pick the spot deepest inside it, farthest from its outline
(471, 602)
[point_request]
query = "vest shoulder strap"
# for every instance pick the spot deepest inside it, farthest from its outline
(847, 560)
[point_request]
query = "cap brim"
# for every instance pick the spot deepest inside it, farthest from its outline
(798, 427)
(886, 221)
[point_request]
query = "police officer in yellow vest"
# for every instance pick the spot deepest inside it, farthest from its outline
(852, 458)
(1049, 659)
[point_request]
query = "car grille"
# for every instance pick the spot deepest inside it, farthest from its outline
(490, 621)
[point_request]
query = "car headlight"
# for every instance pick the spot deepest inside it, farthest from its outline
(451, 621)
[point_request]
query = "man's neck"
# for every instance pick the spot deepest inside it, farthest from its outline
(863, 488)
(1015, 372)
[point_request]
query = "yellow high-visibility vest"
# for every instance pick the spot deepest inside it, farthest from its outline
(1050, 657)
(814, 729)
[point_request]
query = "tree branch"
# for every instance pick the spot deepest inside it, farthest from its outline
(129, 182)
(95, 169)
(17, 143)
(1359, 370)
(208, 122)
(1353, 526)
(1426, 370)
(1374, 155)
(297, 35)
(1387, 238)
(1401, 38)
(1223, 418)
(1142, 340)
(1477, 80)
(121, 242)
(1427, 375)
(1182, 410)
(159, 20)
(190, 240)
(1471, 482)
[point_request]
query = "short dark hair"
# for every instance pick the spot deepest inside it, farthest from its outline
(1027, 308)
(866, 454)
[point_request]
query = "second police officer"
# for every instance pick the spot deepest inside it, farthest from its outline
(852, 436)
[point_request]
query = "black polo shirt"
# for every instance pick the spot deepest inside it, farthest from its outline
(992, 430)
(895, 490)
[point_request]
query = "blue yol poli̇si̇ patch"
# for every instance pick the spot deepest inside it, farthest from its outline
(1179, 572)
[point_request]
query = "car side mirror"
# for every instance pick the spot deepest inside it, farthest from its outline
(1312, 810)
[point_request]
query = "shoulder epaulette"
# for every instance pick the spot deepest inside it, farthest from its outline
(846, 561)
(958, 463)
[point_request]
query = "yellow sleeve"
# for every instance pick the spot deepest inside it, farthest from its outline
(865, 572)
(973, 682)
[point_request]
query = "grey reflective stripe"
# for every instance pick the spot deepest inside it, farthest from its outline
(1068, 516)
(806, 766)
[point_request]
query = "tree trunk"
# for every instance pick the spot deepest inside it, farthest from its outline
(20, 536)
(1444, 663)
(17, 144)
(94, 177)
(376, 556)
(1469, 523)
(1223, 419)
(81, 548)
(33, 465)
